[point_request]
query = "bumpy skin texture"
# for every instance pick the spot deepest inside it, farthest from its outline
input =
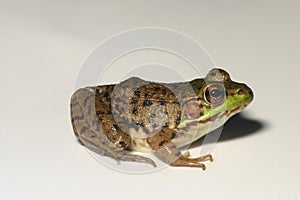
(93, 125)
(146, 116)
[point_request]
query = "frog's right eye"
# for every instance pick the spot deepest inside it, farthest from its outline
(214, 94)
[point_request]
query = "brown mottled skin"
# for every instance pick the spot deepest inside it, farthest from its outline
(138, 115)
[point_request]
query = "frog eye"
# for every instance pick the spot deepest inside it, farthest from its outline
(214, 94)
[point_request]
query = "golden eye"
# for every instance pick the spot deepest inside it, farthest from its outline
(214, 94)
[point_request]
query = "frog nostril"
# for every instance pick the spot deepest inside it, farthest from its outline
(240, 91)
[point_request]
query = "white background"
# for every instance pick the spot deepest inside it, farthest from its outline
(42, 45)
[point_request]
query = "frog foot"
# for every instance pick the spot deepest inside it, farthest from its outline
(186, 161)
(125, 156)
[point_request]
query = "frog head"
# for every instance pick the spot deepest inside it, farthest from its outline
(220, 93)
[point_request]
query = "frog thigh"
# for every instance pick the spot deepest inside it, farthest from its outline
(167, 151)
(88, 112)
(95, 128)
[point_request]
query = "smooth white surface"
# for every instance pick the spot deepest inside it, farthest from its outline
(43, 43)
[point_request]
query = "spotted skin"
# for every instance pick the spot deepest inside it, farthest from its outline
(137, 115)
(87, 114)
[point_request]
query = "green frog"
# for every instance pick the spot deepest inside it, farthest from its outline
(137, 115)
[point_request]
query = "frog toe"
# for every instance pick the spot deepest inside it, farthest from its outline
(186, 161)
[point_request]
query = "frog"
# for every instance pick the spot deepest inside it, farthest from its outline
(135, 115)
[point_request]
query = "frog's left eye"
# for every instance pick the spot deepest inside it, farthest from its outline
(214, 94)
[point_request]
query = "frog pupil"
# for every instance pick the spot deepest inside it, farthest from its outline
(215, 93)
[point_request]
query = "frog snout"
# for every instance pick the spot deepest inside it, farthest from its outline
(246, 92)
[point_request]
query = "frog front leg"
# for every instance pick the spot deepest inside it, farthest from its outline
(96, 129)
(167, 151)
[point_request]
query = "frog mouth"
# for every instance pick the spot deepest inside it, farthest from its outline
(234, 111)
(237, 109)
(236, 105)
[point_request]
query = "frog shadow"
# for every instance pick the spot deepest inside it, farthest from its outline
(236, 127)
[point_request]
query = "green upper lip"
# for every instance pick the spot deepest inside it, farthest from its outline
(240, 99)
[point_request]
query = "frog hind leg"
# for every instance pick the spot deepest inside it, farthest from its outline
(167, 151)
(94, 143)
(102, 138)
